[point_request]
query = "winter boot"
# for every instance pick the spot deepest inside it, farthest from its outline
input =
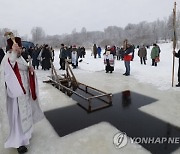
(22, 150)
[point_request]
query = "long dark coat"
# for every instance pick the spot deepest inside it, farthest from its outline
(35, 61)
(46, 57)
(142, 52)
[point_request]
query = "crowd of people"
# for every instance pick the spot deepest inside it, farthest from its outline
(44, 54)
(40, 55)
(126, 53)
(71, 54)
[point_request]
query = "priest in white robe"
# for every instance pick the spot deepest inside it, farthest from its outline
(74, 57)
(19, 107)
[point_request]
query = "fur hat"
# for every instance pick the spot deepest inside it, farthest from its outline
(10, 42)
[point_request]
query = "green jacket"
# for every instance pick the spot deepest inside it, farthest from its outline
(154, 52)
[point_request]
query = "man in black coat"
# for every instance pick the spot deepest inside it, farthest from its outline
(178, 56)
(62, 56)
(1, 54)
(46, 57)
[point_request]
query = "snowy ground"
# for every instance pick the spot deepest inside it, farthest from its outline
(98, 139)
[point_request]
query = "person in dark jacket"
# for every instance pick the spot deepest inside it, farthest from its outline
(178, 56)
(118, 54)
(30, 51)
(79, 52)
(1, 54)
(35, 60)
(128, 56)
(142, 53)
(46, 57)
(95, 50)
(121, 53)
(99, 51)
(69, 50)
(113, 50)
(62, 56)
(83, 52)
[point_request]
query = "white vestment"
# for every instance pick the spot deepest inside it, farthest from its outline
(18, 111)
(74, 57)
(110, 57)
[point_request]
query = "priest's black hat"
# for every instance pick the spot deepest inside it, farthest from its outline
(10, 42)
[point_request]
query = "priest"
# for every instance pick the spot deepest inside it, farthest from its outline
(19, 107)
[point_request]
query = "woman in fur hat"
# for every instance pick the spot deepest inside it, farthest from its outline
(109, 60)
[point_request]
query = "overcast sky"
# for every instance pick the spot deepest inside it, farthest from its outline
(62, 16)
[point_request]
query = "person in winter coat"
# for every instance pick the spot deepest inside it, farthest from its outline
(35, 60)
(118, 54)
(109, 60)
(79, 52)
(121, 53)
(178, 56)
(95, 50)
(83, 52)
(46, 57)
(62, 56)
(68, 53)
(74, 57)
(142, 53)
(113, 50)
(128, 56)
(99, 51)
(155, 54)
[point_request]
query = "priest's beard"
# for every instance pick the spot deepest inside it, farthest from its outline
(14, 56)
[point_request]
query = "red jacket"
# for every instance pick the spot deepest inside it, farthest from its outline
(127, 57)
(128, 54)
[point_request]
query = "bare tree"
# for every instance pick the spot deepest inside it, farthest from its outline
(3, 39)
(38, 35)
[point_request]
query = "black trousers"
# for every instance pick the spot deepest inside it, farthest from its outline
(62, 63)
(118, 57)
(108, 66)
(154, 63)
(143, 59)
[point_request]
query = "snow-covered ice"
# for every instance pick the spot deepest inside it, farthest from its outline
(98, 139)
